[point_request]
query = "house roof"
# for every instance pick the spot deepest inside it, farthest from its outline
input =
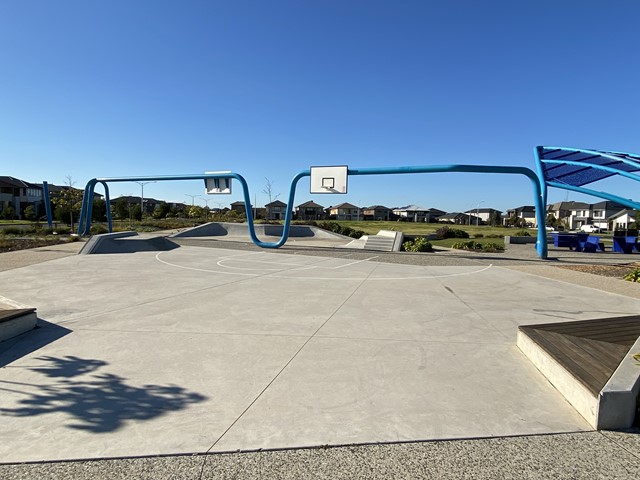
(376, 207)
(12, 182)
(410, 208)
(276, 203)
(625, 211)
(483, 210)
(343, 205)
(309, 204)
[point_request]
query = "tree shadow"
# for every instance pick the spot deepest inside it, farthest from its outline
(101, 402)
(43, 334)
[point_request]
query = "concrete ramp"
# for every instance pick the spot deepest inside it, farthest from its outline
(215, 229)
(126, 242)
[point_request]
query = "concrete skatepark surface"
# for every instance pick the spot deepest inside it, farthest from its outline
(199, 350)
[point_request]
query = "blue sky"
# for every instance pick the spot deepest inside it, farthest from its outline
(267, 89)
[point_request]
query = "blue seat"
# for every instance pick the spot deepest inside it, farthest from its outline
(621, 245)
(592, 244)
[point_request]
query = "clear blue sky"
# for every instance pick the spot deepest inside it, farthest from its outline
(269, 88)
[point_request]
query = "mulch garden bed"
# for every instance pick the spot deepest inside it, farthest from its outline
(617, 271)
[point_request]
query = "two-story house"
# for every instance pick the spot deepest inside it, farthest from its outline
(344, 211)
(527, 213)
(376, 212)
(310, 211)
(482, 216)
(16, 195)
(275, 210)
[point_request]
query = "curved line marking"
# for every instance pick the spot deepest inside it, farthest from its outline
(293, 277)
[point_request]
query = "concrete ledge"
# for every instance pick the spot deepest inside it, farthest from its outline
(614, 407)
(619, 397)
(574, 391)
(15, 319)
(509, 240)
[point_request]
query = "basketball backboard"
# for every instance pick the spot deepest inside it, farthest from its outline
(329, 179)
(217, 185)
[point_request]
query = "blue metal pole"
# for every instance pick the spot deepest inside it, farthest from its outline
(47, 204)
(107, 199)
(608, 196)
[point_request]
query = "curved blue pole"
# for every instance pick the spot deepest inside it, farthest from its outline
(47, 204)
(607, 196)
(541, 245)
(536, 182)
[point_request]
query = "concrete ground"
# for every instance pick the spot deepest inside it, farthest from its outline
(200, 351)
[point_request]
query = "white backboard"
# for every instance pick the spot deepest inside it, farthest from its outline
(329, 179)
(217, 185)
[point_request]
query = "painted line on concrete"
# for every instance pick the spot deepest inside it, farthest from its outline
(309, 267)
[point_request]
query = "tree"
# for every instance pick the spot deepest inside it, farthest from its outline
(67, 202)
(8, 213)
(195, 211)
(29, 212)
(121, 208)
(161, 210)
(494, 220)
(135, 212)
(268, 190)
(99, 213)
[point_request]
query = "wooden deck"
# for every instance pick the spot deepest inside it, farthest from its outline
(590, 350)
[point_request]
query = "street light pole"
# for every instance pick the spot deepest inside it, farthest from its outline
(193, 198)
(142, 184)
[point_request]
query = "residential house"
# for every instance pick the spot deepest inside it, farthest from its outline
(239, 207)
(344, 211)
(622, 219)
(275, 210)
(601, 213)
(597, 214)
(414, 213)
(459, 218)
(526, 213)
(18, 195)
(376, 212)
(484, 215)
(310, 211)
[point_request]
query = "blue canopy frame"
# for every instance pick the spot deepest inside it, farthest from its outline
(572, 168)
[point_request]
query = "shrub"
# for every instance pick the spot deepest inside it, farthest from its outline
(342, 230)
(522, 233)
(98, 229)
(477, 246)
(63, 230)
(633, 276)
(420, 244)
(478, 235)
(447, 232)
(11, 231)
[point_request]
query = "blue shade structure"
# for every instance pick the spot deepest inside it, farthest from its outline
(573, 168)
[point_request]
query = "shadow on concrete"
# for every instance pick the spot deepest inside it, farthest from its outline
(43, 334)
(98, 403)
